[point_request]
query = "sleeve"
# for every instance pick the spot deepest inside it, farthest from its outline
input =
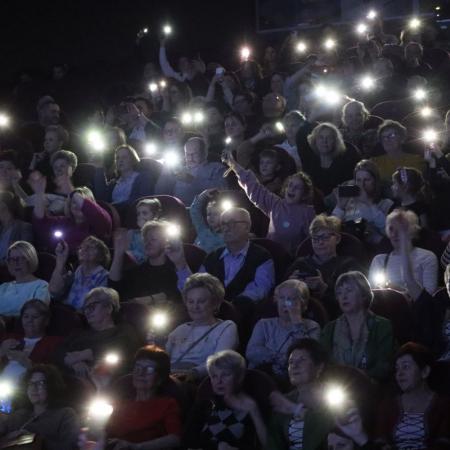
(264, 281)
(183, 275)
(166, 68)
(98, 219)
(41, 292)
(172, 418)
(383, 350)
(195, 212)
(430, 273)
(101, 188)
(261, 197)
(142, 186)
(275, 436)
(257, 353)
(68, 430)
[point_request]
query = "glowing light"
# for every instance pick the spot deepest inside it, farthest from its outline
(380, 279)
(96, 140)
(301, 47)
(112, 359)
(167, 29)
(335, 397)
(430, 135)
(367, 82)
(145, 30)
(420, 94)
(150, 148)
(198, 117)
(4, 120)
(245, 53)
(362, 28)
(329, 44)
(438, 8)
(226, 204)
(163, 84)
(228, 140)
(153, 87)
(279, 127)
(171, 158)
(186, 118)
(173, 231)
(414, 23)
(58, 234)
(426, 111)
(159, 320)
(100, 410)
(6, 389)
(371, 14)
(328, 94)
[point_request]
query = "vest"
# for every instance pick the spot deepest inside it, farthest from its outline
(256, 256)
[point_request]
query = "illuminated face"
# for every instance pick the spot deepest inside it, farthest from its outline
(213, 213)
(408, 374)
(291, 127)
(354, 117)
(287, 298)
(222, 381)
(199, 304)
(172, 134)
(124, 161)
(349, 298)
(324, 243)
(154, 243)
(193, 154)
(391, 140)
(52, 143)
(33, 322)
(235, 226)
(295, 190)
(277, 84)
(267, 167)
(88, 252)
(234, 127)
(393, 232)
(62, 167)
(301, 368)
(144, 374)
(365, 181)
(17, 263)
(143, 214)
(326, 141)
(37, 389)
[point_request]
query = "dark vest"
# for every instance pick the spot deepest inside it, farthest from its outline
(256, 256)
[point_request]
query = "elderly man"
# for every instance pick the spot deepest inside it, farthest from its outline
(197, 175)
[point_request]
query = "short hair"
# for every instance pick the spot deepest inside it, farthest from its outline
(206, 281)
(38, 305)
(421, 355)
(301, 291)
(60, 131)
(242, 211)
(13, 203)
(231, 361)
(237, 116)
(84, 191)
(105, 294)
(66, 155)
(270, 153)
(392, 124)
(119, 133)
(152, 225)
(339, 145)
(154, 204)
(159, 357)
(408, 215)
(364, 110)
(28, 251)
(359, 280)
(308, 188)
(104, 255)
(131, 151)
(317, 352)
(409, 177)
(367, 165)
(295, 114)
(44, 101)
(324, 222)
(202, 145)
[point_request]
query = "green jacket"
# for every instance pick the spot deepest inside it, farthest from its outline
(379, 349)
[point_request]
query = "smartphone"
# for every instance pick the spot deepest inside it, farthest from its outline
(349, 190)
(220, 71)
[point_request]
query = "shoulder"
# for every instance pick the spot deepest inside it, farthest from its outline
(39, 283)
(424, 254)
(380, 322)
(311, 324)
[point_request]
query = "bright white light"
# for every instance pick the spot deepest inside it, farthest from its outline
(95, 140)
(329, 44)
(430, 135)
(420, 94)
(145, 30)
(226, 204)
(171, 158)
(6, 389)
(380, 278)
(173, 231)
(153, 87)
(328, 94)
(150, 148)
(167, 29)
(199, 117)
(4, 120)
(228, 140)
(279, 127)
(371, 14)
(367, 82)
(163, 83)
(335, 397)
(426, 111)
(438, 8)
(245, 53)
(301, 47)
(159, 320)
(414, 23)
(362, 28)
(112, 359)
(100, 410)
(58, 234)
(186, 118)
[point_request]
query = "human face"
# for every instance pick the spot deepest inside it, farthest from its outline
(172, 134)
(354, 117)
(62, 167)
(394, 232)
(235, 227)
(124, 161)
(272, 105)
(324, 243)
(154, 243)
(214, 116)
(222, 381)
(213, 217)
(97, 311)
(396, 189)
(33, 323)
(301, 368)
(391, 140)
(287, 298)
(234, 128)
(76, 212)
(193, 155)
(51, 114)
(276, 84)
(291, 127)
(241, 105)
(17, 263)
(408, 374)
(51, 142)
(143, 214)
(143, 108)
(6, 170)
(325, 141)
(349, 298)
(144, 374)
(37, 389)
(88, 252)
(294, 191)
(175, 95)
(267, 167)
(336, 442)
(365, 181)
(200, 305)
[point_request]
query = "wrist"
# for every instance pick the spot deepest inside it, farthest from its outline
(360, 439)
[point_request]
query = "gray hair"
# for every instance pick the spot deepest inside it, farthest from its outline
(228, 360)
(358, 280)
(105, 294)
(209, 282)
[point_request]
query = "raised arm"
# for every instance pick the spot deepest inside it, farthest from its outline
(121, 244)
(57, 283)
(38, 183)
(166, 68)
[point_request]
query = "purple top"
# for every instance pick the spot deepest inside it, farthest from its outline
(98, 223)
(289, 223)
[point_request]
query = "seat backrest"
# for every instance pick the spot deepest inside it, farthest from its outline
(151, 167)
(195, 256)
(137, 315)
(113, 213)
(64, 319)
(84, 175)
(47, 263)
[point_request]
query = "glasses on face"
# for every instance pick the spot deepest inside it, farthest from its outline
(40, 384)
(16, 259)
(89, 308)
(231, 223)
(388, 136)
(318, 238)
(143, 370)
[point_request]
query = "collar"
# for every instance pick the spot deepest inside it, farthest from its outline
(242, 252)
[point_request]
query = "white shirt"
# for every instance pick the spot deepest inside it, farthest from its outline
(14, 370)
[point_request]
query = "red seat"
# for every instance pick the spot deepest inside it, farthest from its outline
(194, 256)
(63, 320)
(84, 175)
(47, 262)
(113, 213)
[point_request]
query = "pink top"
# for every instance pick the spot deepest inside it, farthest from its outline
(98, 223)
(289, 223)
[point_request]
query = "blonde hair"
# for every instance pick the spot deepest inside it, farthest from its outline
(28, 252)
(84, 191)
(324, 222)
(339, 145)
(209, 282)
(406, 215)
(104, 293)
(301, 291)
(231, 361)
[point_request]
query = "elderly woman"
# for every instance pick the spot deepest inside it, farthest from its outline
(406, 267)
(329, 161)
(190, 344)
(128, 185)
(367, 206)
(151, 419)
(233, 418)
(19, 351)
(417, 417)
(81, 352)
(93, 260)
(359, 338)
(42, 413)
(22, 262)
(303, 422)
(392, 136)
(272, 337)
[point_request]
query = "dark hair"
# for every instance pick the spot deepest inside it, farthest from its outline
(421, 355)
(270, 153)
(237, 116)
(308, 188)
(315, 349)
(159, 357)
(37, 305)
(411, 178)
(13, 203)
(145, 100)
(9, 155)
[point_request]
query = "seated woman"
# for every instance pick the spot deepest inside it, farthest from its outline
(304, 418)
(82, 351)
(233, 419)
(42, 412)
(146, 210)
(93, 260)
(19, 351)
(359, 338)
(209, 236)
(368, 205)
(417, 417)
(290, 215)
(128, 185)
(151, 419)
(406, 264)
(272, 337)
(12, 228)
(82, 217)
(22, 262)
(191, 343)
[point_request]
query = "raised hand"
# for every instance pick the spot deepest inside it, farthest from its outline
(37, 182)
(62, 252)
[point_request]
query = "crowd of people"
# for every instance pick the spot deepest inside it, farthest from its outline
(251, 256)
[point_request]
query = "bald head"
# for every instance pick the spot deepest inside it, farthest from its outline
(235, 224)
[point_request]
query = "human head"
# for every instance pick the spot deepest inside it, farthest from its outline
(8, 164)
(273, 105)
(298, 188)
(367, 176)
(354, 114)
(148, 209)
(195, 152)
(235, 125)
(115, 137)
(226, 370)
(391, 135)
(100, 306)
(94, 250)
(353, 292)
(145, 105)
(34, 317)
(63, 162)
(291, 294)
(48, 111)
(155, 238)
(55, 138)
(325, 235)
(243, 103)
(151, 368)
(407, 181)
(10, 206)
(277, 83)
(179, 94)
(126, 159)
(173, 133)
(235, 224)
(22, 259)
(213, 213)
(214, 118)
(269, 164)
(71, 209)
(326, 139)
(413, 53)
(398, 220)
(292, 122)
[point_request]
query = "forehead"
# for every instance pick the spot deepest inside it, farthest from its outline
(364, 174)
(144, 362)
(192, 146)
(353, 108)
(405, 359)
(37, 376)
(233, 215)
(299, 353)
(197, 292)
(287, 290)
(325, 131)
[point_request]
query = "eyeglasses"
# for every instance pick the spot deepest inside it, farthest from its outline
(144, 370)
(17, 259)
(91, 307)
(231, 223)
(40, 384)
(321, 238)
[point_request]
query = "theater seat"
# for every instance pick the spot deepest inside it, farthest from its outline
(113, 213)
(137, 315)
(84, 175)
(64, 320)
(78, 393)
(151, 167)
(47, 262)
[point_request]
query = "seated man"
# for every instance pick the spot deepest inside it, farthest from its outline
(245, 269)
(321, 269)
(197, 174)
